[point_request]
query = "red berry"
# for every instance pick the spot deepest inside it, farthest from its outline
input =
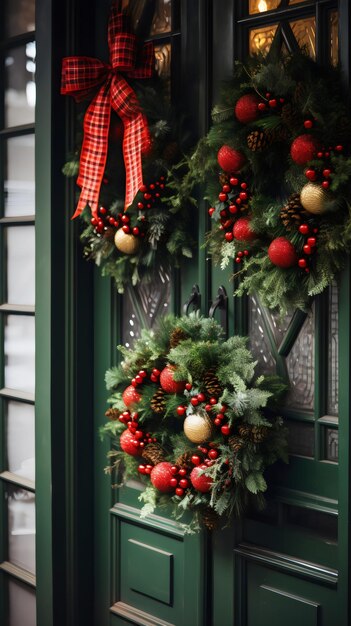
(217, 421)
(223, 408)
(201, 397)
(304, 229)
(188, 386)
(225, 430)
(229, 236)
(211, 210)
(307, 249)
(213, 401)
(339, 148)
(156, 371)
(181, 410)
(142, 373)
(226, 188)
(233, 181)
(308, 124)
(141, 469)
(139, 434)
(147, 196)
(143, 188)
(311, 241)
(243, 185)
(320, 155)
(194, 401)
(222, 197)
(302, 263)
(173, 482)
(140, 205)
(223, 213)
(325, 184)
(213, 454)
(272, 103)
(220, 416)
(184, 483)
(195, 459)
(153, 378)
(182, 472)
(233, 208)
(326, 173)
(174, 470)
(310, 174)
(126, 229)
(243, 195)
(261, 106)
(136, 231)
(179, 492)
(139, 379)
(208, 408)
(125, 219)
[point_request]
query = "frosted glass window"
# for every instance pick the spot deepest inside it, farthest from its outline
(19, 17)
(19, 176)
(20, 252)
(21, 528)
(20, 439)
(20, 66)
(22, 605)
(19, 349)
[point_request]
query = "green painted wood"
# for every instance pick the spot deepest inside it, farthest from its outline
(275, 607)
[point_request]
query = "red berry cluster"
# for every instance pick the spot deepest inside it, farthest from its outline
(310, 245)
(208, 455)
(272, 102)
(219, 419)
(151, 193)
(234, 194)
(180, 480)
(139, 378)
(240, 256)
(105, 220)
(322, 174)
(141, 439)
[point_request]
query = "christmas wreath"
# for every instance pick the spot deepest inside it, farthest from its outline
(190, 419)
(127, 161)
(276, 165)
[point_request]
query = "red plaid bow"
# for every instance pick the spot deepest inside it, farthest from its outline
(80, 78)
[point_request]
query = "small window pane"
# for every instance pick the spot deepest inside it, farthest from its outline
(259, 343)
(334, 37)
(22, 605)
(261, 39)
(300, 365)
(305, 33)
(19, 176)
(21, 528)
(20, 253)
(162, 19)
(301, 438)
(331, 451)
(19, 17)
(20, 439)
(19, 349)
(20, 85)
(260, 6)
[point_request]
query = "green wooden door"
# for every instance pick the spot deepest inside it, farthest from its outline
(289, 563)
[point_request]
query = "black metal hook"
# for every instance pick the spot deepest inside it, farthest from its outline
(221, 303)
(194, 300)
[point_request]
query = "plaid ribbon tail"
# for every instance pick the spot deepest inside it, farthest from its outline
(136, 141)
(94, 151)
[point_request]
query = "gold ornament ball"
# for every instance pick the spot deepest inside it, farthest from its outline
(126, 243)
(198, 427)
(315, 199)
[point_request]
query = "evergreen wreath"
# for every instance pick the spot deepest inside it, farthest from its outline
(189, 418)
(276, 165)
(155, 231)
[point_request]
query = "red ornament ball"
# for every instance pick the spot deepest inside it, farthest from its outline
(130, 396)
(303, 149)
(242, 230)
(246, 110)
(126, 441)
(229, 159)
(161, 476)
(282, 253)
(167, 382)
(200, 481)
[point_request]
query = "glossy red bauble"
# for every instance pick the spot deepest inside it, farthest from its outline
(246, 110)
(161, 476)
(126, 441)
(242, 230)
(167, 382)
(130, 396)
(282, 253)
(229, 159)
(200, 481)
(303, 149)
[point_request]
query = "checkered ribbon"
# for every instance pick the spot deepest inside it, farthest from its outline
(81, 77)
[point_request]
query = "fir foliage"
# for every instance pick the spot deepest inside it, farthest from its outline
(256, 437)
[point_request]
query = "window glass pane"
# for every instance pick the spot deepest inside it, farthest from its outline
(301, 438)
(19, 17)
(259, 343)
(260, 6)
(261, 39)
(21, 528)
(22, 606)
(19, 352)
(162, 18)
(20, 256)
(19, 176)
(333, 351)
(300, 365)
(305, 33)
(331, 448)
(20, 85)
(334, 37)
(20, 439)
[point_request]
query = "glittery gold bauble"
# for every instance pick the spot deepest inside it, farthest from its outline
(125, 242)
(315, 199)
(198, 427)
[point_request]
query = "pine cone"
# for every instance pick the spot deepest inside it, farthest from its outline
(259, 140)
(212, 384)
(259, 433)
(293, 213)
(177, 335)
(223, 179)
(184, 460)
(245, 431)
(236, 443)
(158, 402)
(113, 414)
(210, 518)
(153, 453)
